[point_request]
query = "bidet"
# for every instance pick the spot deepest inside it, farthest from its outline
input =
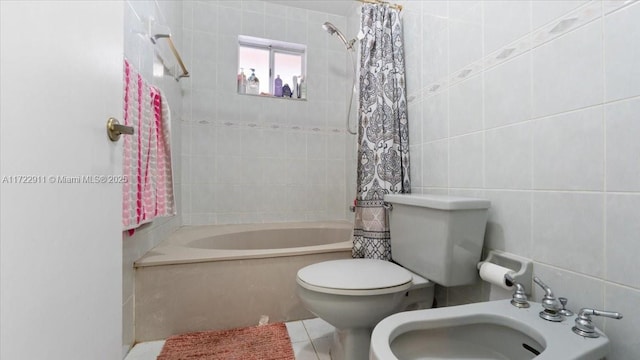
(488, 330)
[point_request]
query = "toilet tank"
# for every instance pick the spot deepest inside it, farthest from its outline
(438, 236)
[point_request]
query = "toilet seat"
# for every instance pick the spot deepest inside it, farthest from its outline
(359, 277)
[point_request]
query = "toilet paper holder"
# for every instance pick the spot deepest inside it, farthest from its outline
(522, 267)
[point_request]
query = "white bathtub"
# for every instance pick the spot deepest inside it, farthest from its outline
(226, 276)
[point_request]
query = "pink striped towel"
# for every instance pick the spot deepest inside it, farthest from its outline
(148, 193)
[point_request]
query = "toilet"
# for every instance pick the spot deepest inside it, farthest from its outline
(435, 239)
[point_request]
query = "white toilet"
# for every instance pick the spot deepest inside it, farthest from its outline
(433, 237)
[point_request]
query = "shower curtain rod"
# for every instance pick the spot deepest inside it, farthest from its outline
(394, 6)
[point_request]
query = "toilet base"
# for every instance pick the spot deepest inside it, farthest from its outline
(351, 344)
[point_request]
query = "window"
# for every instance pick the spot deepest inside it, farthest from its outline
(255, 60)
(265, 60)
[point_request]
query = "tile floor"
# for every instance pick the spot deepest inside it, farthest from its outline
(310, 339)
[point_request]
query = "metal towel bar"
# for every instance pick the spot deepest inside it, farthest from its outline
(185, 72)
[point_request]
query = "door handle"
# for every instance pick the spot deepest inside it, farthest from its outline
(114, 129)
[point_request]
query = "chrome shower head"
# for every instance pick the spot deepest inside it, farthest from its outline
(332, 29)
(329, 27)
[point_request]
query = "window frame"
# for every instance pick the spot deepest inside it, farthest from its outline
(274, 46)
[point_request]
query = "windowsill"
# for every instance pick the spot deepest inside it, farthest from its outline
(269, 96)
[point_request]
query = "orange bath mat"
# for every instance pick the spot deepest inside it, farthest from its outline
(266, 342)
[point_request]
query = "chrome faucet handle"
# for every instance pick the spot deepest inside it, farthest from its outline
(564, 311)
(519, 298)
(584, 327)
(550, 304)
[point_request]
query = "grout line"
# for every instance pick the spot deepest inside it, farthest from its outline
(315, 350)
(482, 111)
(448, 97)
(530, 247)
(573, 191)
(625, 5)
(531, 127)
(592, 277)
(604, 154)
(546, 116)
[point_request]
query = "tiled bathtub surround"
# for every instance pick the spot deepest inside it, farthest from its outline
(249, 174)
(540, 114)
(251, 159)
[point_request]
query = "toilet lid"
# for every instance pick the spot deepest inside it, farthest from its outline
(355, 277)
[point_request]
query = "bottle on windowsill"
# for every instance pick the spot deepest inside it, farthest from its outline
(277, 87)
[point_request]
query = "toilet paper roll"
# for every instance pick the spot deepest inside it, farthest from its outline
(494, 274)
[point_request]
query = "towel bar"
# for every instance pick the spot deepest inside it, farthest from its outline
(185, 72)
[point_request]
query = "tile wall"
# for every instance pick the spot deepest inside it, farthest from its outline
(140, 52)
(249, 159)
(535, 105)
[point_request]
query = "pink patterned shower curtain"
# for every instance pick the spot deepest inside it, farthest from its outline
(383, 137)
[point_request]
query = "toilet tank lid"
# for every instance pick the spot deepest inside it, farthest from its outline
(440, 202)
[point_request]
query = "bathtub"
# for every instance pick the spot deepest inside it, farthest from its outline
(227, 276)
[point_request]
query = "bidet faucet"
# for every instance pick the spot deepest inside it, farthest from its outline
(550, 304)
(584, 327)
(519, 298)
(564, 311)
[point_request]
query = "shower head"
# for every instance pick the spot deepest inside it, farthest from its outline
(332, 29)
(329, 27)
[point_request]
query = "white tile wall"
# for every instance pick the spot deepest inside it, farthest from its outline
(465, 106)
(559, 68)
(435, 156)
(509, 225)
(255, 159)
(436, 109)
(622, 129)
(623, 227)
(507, 92)
(621, 30)
(465, 33)
(504, 167)
(568, 151)
(557, 148)
(413, 51)
(505, 21)
(466, 161)
(435, 47)
(568, 229)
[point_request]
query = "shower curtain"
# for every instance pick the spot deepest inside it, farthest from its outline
(383, 137)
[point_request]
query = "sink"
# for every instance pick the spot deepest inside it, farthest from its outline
(493, 330)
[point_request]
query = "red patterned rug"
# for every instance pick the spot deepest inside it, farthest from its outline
(265, 342)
